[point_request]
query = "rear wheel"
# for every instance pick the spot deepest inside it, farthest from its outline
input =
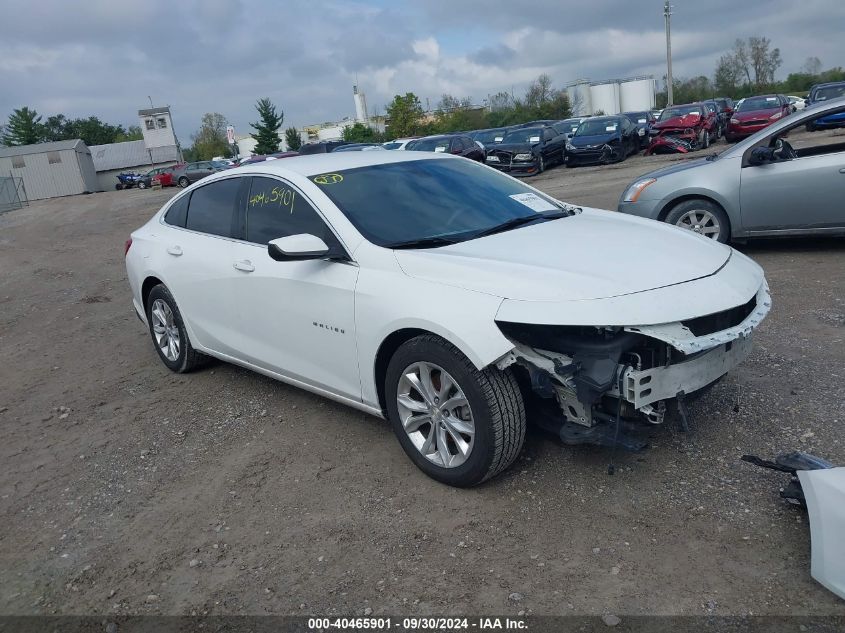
(703, 217)
(142, 184)
(118, 186)
(168, 332)
(459, 425)
(183, 181)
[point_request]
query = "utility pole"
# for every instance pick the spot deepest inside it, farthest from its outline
(667, 13)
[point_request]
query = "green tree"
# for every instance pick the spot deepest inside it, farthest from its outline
(23, 128)
(403, 115)
(292, 139)
(93, 131)
(210, 140)
(132, 133)
(360, 133)
(267, 128)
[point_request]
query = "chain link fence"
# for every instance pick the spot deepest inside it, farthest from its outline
(12, 194)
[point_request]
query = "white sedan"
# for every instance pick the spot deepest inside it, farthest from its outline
(445, 296)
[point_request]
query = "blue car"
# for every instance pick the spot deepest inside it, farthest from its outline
(820, 93)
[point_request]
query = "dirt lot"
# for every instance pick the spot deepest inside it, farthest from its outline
(128, 489)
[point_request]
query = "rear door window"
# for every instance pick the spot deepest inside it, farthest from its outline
(212, 208)
(178, 212)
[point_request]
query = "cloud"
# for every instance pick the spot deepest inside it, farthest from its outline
(104, 57)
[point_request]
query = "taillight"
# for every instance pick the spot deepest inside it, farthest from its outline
(127, 246)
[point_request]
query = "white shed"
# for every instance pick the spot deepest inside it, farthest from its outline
(50, 170)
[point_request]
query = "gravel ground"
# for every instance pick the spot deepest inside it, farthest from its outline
(127, 489)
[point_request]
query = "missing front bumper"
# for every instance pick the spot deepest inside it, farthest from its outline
(647, 386)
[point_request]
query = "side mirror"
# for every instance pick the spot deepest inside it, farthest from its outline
(297, 248)
(761, 155)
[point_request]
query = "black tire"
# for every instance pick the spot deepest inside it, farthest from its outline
(696, 204)
(183, 181)
(496, 403)
(541, 164)
(188, 358)
(142, 184)
(705, 140)
(118, 187)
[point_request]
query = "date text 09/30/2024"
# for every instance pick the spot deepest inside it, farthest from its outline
(416, 624)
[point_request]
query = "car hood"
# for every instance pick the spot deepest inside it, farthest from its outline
(513, 147)
(592, 139)
(750, 115)
(591, 255)
(676, 167)
(688, 120)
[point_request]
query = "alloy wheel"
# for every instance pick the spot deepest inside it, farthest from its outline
(435, 414)
(165, 330)
(702, 222)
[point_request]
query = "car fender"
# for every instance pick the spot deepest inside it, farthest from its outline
(463, 317)
(719, 182)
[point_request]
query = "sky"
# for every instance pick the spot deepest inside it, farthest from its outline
(108, 58)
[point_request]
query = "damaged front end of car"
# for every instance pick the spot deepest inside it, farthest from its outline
(681, 142)
(610, 385)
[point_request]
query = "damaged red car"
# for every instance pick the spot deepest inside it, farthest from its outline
(682, 129)
(756, 113)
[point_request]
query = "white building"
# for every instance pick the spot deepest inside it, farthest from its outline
(50, 170)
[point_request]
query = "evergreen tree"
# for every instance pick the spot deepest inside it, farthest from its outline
(23, 128)
(267, 129)
(292, 139)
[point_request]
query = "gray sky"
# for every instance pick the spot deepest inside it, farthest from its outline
(104, 57)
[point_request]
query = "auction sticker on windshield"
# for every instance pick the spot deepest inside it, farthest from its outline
(533, 202)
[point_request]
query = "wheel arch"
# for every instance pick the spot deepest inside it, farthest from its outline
(395, 339)
(671, 204)
(149, 283)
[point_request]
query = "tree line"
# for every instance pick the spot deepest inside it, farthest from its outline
(406, 117)
(26, 127)
(749, 68)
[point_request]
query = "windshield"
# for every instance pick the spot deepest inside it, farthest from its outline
(758, 103)
(430, 145)
(637, 118)
(567, 127)
(524, 135)
(829, 92)
(670, 113)
(423, 199)
(596, 127)
(490, 136)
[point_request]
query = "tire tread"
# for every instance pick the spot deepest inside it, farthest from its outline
(504, 400)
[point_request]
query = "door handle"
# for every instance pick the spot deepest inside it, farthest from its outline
(244, 265)
(842, 171)
(176, 251)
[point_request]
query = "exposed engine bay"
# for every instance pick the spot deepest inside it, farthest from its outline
(606, 385)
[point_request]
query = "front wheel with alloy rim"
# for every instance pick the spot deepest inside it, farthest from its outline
(541, 165)
(703, 217)
(169, 334)
(458, 424)
(183, 182)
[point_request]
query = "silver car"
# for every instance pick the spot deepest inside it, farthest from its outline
(762, 186)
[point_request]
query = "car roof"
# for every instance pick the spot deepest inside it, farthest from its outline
(327, 163)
